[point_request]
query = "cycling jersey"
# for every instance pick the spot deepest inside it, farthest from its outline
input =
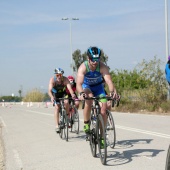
(68, 95)
(93, 81)
(167, 72)
(73, 88)
(59, 90)
(92, 78)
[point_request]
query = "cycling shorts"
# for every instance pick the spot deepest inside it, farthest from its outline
(58, 95)
(98, 91)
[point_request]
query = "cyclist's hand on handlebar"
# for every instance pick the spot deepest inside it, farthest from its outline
(118, 97)
(113, 95)
(52, 99)
(73, 96)
(82, 95)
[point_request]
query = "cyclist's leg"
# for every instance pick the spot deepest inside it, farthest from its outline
(100, 91)
(66, 104)
(56, 115)
(77, 104)
(109, 105)
(87, 108)
(103, 111)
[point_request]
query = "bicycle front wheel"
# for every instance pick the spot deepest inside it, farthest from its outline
(65, 125)
(110, 130)
(93, 135)
(61, 125)
(101, 138)
(168, 160)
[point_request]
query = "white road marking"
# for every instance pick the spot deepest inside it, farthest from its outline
(47, 114)
(3, 122)
(143, 131)
(122, 127)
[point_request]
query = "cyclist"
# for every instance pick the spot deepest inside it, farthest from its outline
(90, 83)
(167, 71)
(73, 86)
(57, 89)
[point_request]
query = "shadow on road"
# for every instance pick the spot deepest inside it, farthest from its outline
(130, 143)
(115, 158)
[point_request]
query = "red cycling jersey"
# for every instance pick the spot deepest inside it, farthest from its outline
(73, 88)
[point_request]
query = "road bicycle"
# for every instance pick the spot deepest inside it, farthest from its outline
(74, 117)
(167, 166)
(97, 129)
(63, 122)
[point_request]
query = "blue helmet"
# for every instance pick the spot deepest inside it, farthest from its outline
(58, 71)
(93, 52)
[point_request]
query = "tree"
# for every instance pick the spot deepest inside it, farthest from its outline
(156, 87)
(20, 93)
(34, 96)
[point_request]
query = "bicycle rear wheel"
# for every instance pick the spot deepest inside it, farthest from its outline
(75, 121)
(110, 130)
(101, 138)
(93, 135)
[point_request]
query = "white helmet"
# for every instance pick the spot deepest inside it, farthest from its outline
(58, 71)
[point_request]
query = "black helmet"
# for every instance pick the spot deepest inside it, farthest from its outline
(93, 52)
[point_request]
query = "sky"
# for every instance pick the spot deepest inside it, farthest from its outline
(34, 40)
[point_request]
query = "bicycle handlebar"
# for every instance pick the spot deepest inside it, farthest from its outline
(62, 99)
(114, 101)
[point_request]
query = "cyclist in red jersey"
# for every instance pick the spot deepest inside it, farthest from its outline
(73, 86)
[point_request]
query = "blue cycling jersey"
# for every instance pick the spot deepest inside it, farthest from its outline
(167, 72)
(93, 81)
(92, 78)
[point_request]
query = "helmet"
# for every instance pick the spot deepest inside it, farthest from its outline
(58, 71)
(169, 57)
(71, 79)
(93, 53)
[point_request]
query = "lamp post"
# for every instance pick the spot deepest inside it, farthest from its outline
(70, 19)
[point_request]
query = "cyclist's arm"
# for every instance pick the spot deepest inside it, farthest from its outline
(68, 85)
(80, 78)
(107, 78)
(50, 86)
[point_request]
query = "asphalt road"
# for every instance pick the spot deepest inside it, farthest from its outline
(32, 144)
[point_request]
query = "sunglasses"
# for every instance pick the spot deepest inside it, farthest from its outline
(95, 59)
(59, 75)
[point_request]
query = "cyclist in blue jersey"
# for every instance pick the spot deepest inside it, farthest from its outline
(167, 71)
(90, 83)
(57, 89)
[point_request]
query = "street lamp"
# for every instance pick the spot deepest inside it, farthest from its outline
(70, 19)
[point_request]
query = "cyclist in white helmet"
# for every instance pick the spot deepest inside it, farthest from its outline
(57, 89)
